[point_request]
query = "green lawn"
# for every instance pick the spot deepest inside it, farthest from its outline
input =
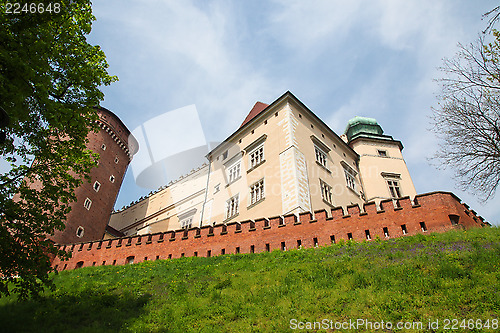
(455, 275)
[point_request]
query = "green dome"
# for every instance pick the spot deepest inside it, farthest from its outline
(364, 126)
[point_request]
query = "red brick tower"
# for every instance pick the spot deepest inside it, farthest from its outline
(90, 213)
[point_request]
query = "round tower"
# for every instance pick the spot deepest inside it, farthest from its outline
(382, 168)
(90, 213)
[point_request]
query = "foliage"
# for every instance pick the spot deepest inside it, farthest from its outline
(420, 278)
(468, 117)
(49, 85)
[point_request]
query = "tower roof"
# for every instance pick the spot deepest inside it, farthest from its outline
(363, 126)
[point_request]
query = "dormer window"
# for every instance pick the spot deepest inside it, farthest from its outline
(382, 153)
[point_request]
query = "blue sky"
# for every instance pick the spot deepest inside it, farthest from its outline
(341, 58)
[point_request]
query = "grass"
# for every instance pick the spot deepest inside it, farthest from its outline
(419, 278)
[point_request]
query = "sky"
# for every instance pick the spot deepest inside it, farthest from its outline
(376, 58)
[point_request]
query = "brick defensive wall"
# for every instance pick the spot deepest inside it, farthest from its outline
(430, 212)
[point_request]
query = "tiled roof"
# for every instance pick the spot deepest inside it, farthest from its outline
(257, 108)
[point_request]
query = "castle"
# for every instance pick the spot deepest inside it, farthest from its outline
(282, 180)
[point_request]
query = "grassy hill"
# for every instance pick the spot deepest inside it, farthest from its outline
(436, 277)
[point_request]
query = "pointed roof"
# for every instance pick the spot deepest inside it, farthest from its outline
(257, 108)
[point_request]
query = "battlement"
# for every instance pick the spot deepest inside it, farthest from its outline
(430, 212)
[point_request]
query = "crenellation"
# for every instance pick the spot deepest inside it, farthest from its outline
(262, 223)
(370, 208)
(353, 210)
(386, 205)
(433, 216)
(337, 212)
(290, 219)
(320, 215)
(305, 217)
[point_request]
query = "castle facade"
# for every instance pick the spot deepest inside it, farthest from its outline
(282, 160)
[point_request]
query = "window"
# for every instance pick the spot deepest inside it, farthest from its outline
(315, 242)
(454, 219)
(224, 155)
(367, 234)
(283, 246)
(299, 243)
(103, 146)
(386, 232)
(382, 153)
(130, 260)
(252, 248)
(187, 222)
(394, 188)
(216, 188)
(349, 235)
(403, 229)
(350, 178)
(112, 178)
(326, 191)
(87, 203)
(423, 226)
(257, 191)
(97, 186)
(234, 172)
(79, 232)
(256, 156)
(117, 160)
(232, 206)
(320, 156)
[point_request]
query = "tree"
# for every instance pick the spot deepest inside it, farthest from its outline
(468, 117)
(49, 85)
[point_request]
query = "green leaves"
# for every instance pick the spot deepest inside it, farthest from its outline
(50, 79)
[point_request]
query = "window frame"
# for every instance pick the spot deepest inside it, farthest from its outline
(382, 153)
(260, 156)
(87, 200)
(233, 176)
(350, 177)
(257, 192)
(232, 206)
(396, 186)
(323, 160)
(326, 192)
(184, 225)
(98, 186)
(80, 231)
